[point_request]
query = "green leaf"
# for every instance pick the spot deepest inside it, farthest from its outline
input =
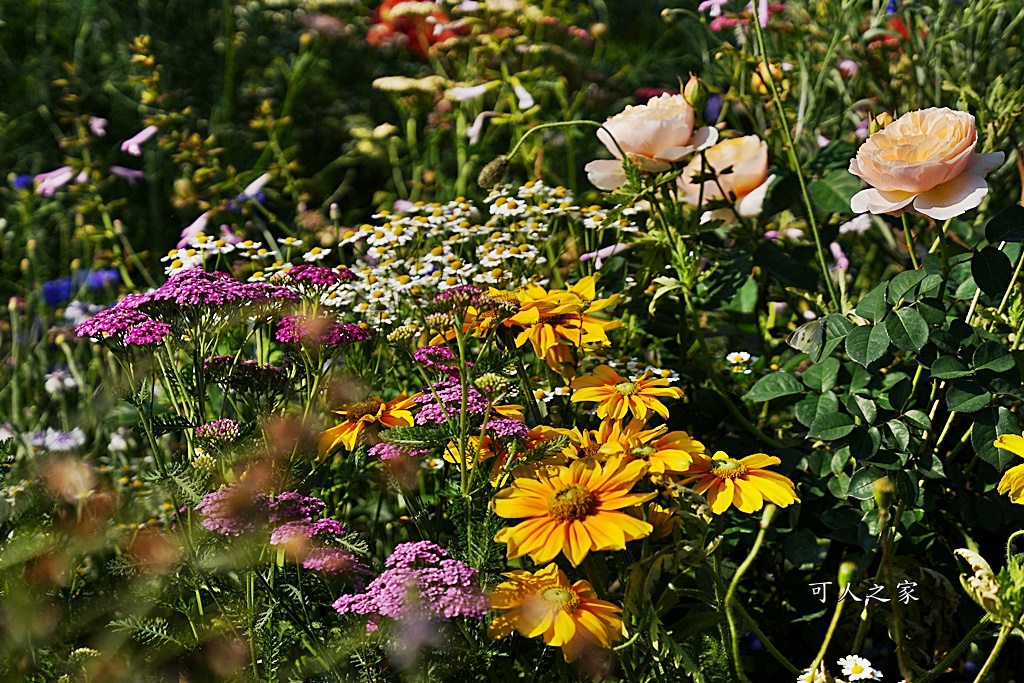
(903, 283)
(898, 434)
(907, 329)
(836, 328)
(994, 356)
(838, 485)
(862, 481)
(966, 396)
(865, 442)
(873, 306)
(992, 271)
(989, 424)
(830, 427)
(949, 367)
(833, 192)
(801, 547)
(775, 385)
(813, 405)
(918, 418)
(867, 343)
(861, 407)
(822, 377)
(1006, 226)
(932, 310)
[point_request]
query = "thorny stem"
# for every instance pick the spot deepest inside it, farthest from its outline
(794, 163)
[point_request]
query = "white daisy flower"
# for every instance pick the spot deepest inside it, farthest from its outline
(858, 669)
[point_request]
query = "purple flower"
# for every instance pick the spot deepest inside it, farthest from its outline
(420, 583)
(388, 451)
(48, 183)
(404, 206)
(98, 126)
(508, 428)
(292, 506)
(233, 510)
(712, 7)
(848, 68)
(195, 228)
(713, 109)
(298, 329)
(290, 533)
(310, 274)
(63, 442)
(605, 253)
(450, 393)
(338, 561)
(56, 292)
(133, 145)
(124, 326)
(326, 528)
(842, 263)
(146, 333)
(228, 236)
(129, 174)
(762, 11)
(105, 277)
(224, 430)
(437, 357)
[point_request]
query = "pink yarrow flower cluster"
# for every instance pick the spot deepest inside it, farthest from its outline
(420, 583)
(298, 329)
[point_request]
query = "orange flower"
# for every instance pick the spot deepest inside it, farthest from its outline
(572, 510)
(743, 483)
(566, 615)
(665, 451)
(359, 416)
(619, 395)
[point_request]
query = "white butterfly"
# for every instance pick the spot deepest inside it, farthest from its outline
(809, 338)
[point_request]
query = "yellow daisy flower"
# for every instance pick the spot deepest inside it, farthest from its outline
(1012, 482)
(572, 510)
(743, 483)
(360, 416)
(618, 395)
(566, 615)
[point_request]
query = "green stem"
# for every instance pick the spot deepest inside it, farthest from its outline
(992, 656)
(910, 242)
(955, 653)
(794, 163)
(828, 636)
(730, 595)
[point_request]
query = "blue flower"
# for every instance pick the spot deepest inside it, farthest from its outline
(105, 277)
(22, 181)
(891, 9)
(56, 292)
(713, 109)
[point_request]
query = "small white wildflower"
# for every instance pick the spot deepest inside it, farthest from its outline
(858, 669)
(738, 357)
(59, 381)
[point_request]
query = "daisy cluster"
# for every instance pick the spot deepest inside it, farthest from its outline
(406, 256)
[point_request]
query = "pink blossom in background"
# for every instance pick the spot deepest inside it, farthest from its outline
(477, 128)
(712, 7)
(129, 174)
(98, 126)
(858, 225)
(48, 183)
(848, 68)
(842, 263)
(253, 188)
(606, 253)
(196, 228)
(823, 141)
(133, 145)
(228, 236)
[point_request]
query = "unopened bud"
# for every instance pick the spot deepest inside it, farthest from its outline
(599, 30)
(696, 93)
(847, 573)
(880, 122)
(884, 491)
(335, 211)
(492, 384)
(493, 173)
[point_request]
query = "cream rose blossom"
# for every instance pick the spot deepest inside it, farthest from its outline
(746, 185)
(925, 160)
(653, 136)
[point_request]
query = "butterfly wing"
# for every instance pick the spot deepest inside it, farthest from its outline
(809, 338)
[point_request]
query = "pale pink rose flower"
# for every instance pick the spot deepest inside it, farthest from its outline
(133, 145)
(653, 136)
(925, 161)
(48, 183)
(746, 186)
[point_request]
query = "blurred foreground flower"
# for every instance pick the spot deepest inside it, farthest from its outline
(924, 160)
(566, 615)
(746, 185)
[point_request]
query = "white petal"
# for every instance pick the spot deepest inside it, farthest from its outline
(751, 205)
(959, 195)
(880, 201)
(704, 137)
(983, 164)
(606, 174)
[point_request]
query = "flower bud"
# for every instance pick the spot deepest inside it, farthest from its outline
(847, 573)
(883, 490)
(880, 122)
(493, 173)
(492, 384)
(335, 211)
(696, 93)
(599, 30)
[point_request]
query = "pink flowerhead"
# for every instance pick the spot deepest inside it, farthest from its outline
(48, 183)
(133, 145)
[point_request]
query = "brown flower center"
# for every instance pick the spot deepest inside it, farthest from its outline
(729, 468)
(368, 407)
(627, 388)
(571, 502)
(643, 452)
(562, 598)
(590, 451)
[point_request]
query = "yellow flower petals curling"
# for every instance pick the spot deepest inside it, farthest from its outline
(743, 483)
